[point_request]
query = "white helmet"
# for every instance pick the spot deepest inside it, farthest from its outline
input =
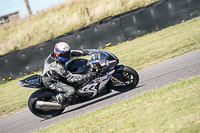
(62, 51)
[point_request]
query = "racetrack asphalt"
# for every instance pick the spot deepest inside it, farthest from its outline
(151, 78)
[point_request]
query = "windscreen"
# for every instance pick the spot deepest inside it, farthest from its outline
(98, 54)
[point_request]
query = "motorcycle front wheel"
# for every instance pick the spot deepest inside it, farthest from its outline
(42, 95)
(124, 80)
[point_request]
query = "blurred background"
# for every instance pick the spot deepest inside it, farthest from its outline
(19, 6)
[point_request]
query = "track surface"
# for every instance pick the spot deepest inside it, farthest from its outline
(151, 78)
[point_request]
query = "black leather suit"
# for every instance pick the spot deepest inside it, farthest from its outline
(54, 69)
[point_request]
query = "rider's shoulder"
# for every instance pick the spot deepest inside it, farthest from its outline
(50, 59)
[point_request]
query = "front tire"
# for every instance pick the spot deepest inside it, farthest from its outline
(124, 80)
(42, 95)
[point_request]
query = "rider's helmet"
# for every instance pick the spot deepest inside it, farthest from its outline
(62, 51)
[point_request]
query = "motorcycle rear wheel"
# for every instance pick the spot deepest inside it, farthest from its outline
(42, 95)
(124, 80)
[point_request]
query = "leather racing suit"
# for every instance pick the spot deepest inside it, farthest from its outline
(54, 69)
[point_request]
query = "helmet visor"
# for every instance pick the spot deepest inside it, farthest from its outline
(65, 55)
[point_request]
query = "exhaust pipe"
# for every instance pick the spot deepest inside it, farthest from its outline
(48, 105)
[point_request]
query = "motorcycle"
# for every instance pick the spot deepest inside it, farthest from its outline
(42, 102)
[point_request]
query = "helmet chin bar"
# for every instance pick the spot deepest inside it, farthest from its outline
(64, 59)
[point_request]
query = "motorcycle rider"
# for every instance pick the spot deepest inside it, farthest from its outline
(54, 69)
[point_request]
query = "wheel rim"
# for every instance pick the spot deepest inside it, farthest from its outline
(129, 78)
(123, 79)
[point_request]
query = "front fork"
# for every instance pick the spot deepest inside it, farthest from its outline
(117, 82)
(118, 69)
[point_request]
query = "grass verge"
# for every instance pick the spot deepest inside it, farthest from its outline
(174, 108)
(142, 52)
(14, 98)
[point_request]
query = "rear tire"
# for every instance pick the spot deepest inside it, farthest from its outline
(128, 77)
(43, 95)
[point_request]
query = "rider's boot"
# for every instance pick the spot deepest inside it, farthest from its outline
(59, 98)
(63, 98)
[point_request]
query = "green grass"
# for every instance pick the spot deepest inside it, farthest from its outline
(14, 98)
(174, 108)
(60, 19)
(139, 53)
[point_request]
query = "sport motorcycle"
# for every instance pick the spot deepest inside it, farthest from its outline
(42, 102)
